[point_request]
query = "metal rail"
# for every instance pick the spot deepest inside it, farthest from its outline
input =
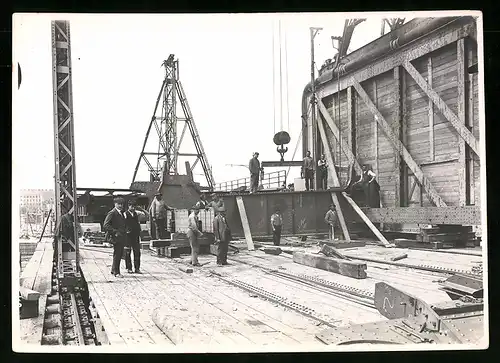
(271, 180)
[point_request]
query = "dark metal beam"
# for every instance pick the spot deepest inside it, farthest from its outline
(271, 164)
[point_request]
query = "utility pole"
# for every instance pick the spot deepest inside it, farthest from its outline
(313, 33)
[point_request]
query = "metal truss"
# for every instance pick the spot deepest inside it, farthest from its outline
(165, 120)
(64, 146)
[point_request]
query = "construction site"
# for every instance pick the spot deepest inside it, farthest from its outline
(407, 270)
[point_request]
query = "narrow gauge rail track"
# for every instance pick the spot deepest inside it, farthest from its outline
(67, 320)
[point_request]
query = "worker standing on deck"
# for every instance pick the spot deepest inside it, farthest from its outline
(255, 170)
(193, 234)
(115, 227)
(308, 171)
(276, 225)
(222, 234)
(323, 172)
(331, 219)
(370, 187)
(158, 212)
(133, 238)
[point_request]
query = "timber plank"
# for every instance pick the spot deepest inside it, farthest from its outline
(347, 268)
(244, 222)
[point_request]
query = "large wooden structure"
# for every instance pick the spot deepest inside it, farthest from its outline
(409, 107)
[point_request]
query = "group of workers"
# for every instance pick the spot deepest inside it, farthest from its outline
(367, 180)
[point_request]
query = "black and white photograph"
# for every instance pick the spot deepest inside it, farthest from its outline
(279, 182)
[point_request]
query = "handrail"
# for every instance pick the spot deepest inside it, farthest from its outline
(271, 180)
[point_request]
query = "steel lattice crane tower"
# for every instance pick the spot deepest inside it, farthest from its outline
(165, 120)
(66, 249)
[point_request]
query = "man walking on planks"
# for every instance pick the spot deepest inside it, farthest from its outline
(193, 234)
(115, 227)
(254, 167)
(308, 171)
(276, 225)
(158, 212)
(331, 219)
(133, 238)
(222, 234)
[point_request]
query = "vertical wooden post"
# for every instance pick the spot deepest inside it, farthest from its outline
(470, 119)
(397, 130)
(404, 138)
(431, 112)
(350, 119)
(375, 130)
(462, 116)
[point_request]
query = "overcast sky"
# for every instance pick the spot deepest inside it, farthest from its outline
(226, 68)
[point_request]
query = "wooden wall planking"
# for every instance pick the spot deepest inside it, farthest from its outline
(429, 136)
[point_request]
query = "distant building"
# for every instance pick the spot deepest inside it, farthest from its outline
(36, 199)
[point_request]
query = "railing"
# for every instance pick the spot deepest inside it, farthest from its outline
(271, 180)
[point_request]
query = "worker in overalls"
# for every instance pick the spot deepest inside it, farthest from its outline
(254, 167)
(331, 220)
(222, 234)
(370, 186)
(158, 212)
(308, 171)
(276, 225)
(323, 172)
(193, 235)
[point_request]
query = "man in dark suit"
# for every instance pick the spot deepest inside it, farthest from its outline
(222, 236)
(133, 234)
(115, 227)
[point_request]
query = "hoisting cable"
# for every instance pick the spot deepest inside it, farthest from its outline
(274, 82)
(286, 84)
(281, 78)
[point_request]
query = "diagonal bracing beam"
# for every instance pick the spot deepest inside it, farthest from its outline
(346, 148)
(459, 126)
(400, 148)
(336, 182)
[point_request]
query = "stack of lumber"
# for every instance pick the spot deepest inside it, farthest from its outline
(442, 236)
(354, 269)
(179, 245)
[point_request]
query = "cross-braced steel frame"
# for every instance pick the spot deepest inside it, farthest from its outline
(64, 148)
(165, 158)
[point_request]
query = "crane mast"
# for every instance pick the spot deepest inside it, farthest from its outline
(66, 248)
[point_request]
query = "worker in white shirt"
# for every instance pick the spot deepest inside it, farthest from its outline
(193, 235)
(331, 219)
(323, 172)
(276, 225)
(158, 212)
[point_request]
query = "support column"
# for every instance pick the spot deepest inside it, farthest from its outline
(351, 126)
(470, 119)
(397, 123)
(375, 130)
(431, 112)
(462, 100)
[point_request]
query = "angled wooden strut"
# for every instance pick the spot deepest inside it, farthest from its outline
(346, 148)
(244, 222)
(459, 126)
(400, 148)
(336, 182)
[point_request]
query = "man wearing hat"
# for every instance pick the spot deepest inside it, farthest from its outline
(133, 238)
(115, 227)
(216, 203)
(158, 212)
(222, 234)
(331, 219)
(193, 234)
(255, 169)
(276, 225)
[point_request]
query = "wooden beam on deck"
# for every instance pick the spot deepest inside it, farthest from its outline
(398, 145)
(346, 148)
(244, 223)
(355, 269)
(463, 132)
(333, 173)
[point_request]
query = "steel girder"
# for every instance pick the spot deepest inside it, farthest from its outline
(64, 148)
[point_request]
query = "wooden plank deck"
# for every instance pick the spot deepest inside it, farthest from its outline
(205, 310)
(37, 276)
